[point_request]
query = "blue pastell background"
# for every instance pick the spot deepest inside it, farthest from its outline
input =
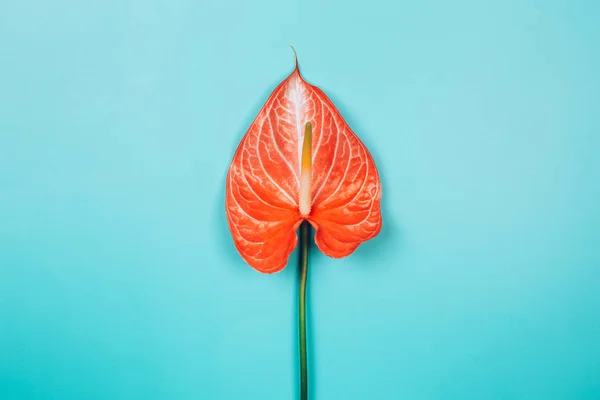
(118, 275)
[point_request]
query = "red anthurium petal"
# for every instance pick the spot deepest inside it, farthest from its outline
(266, 177)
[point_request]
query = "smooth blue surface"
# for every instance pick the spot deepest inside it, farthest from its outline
(118, 276)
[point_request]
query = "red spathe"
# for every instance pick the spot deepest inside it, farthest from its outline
(263, 182)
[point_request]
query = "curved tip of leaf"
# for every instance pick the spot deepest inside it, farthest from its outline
(295, 58)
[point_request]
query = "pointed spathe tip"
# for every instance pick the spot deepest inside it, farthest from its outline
(296, 68)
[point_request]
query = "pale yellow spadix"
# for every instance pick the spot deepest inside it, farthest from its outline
(306, 171)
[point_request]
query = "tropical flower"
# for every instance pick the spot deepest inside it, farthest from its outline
(300, 161)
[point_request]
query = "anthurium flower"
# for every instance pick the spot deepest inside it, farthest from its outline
(300, 161)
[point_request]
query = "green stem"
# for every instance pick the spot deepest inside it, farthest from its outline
(302, 308)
